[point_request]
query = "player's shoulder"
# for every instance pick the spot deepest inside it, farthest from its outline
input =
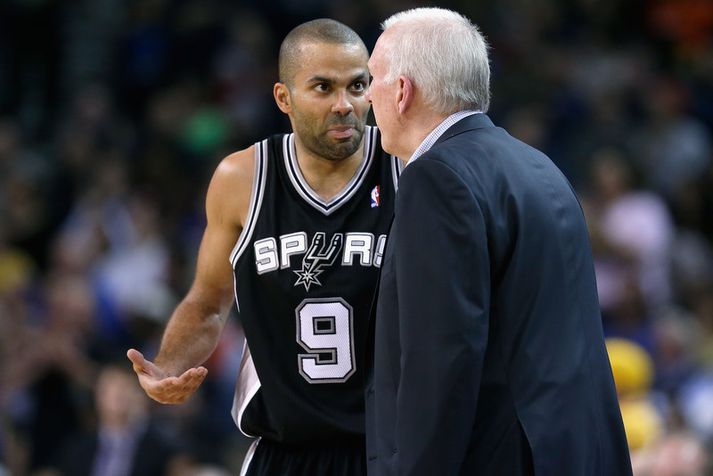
(237, 168)
(230, 188)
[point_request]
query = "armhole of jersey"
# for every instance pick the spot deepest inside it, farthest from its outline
(258, 191)
(396, 168)
(245, 388)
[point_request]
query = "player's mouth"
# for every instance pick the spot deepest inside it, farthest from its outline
(341, 132)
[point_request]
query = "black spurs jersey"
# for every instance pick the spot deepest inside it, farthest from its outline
(305, 273)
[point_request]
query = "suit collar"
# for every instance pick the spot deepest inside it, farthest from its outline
(476, 121)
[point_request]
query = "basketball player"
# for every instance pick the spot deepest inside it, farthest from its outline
(297, 225)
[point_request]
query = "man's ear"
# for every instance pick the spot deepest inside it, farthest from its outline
(282, 97)
(406, 93)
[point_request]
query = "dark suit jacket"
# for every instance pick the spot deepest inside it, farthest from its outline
(489, 355)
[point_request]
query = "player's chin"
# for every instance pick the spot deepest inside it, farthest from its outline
(344, 148)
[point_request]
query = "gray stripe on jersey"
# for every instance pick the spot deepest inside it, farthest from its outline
(396, 168)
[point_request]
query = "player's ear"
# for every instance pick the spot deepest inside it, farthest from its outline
(282, 97)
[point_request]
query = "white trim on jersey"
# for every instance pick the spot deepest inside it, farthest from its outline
(235, 292)
(309, 195)
(396, 168)
(249, 457)
(245, 388)
(258, 192)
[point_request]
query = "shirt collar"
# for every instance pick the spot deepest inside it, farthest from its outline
(436, 133)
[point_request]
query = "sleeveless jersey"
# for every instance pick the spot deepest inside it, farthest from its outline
(305, 272)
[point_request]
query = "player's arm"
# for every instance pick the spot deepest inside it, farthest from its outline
(194, 329)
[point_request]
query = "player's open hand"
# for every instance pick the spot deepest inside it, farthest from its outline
(160, 385)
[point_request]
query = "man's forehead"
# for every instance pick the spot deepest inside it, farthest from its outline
(377, 55)
(334, 61)
(309, 48)
(375, 60)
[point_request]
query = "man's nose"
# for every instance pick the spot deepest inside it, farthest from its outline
(342, 105)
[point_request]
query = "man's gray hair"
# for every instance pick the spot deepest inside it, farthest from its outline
(445, 56)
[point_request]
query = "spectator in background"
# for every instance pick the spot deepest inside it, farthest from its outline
(47, 379)
(631, 227)
(677, 454)
(633, 372)
(676, 335)
(675, 147)
(124, 442)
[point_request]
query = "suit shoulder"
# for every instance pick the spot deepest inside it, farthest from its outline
(435, 175)
(492, 151)
(467, 154)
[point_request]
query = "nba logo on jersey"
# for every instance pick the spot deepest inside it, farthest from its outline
(375, 199)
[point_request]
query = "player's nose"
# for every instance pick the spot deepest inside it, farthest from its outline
(342, 104)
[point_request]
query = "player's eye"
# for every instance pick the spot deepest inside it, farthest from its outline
(321, 87)
(359, 86)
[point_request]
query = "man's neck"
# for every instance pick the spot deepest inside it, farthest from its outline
(324, 176)
(419, 129)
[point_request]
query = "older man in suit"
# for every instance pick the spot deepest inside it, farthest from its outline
(489, 356)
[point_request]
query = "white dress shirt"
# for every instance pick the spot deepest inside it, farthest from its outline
(438, 131)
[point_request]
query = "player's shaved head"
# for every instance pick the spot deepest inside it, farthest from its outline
(322, 30)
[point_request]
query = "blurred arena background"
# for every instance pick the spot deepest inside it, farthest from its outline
(114, 113)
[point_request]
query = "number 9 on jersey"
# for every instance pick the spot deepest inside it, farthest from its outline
(325, 331)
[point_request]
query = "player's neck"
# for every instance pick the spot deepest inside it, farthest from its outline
(327, 178)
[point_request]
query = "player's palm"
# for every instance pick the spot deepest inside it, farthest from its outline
(160, 385)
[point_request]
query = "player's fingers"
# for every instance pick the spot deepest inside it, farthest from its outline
(176, 385)
(163, 390)
(177, 389)
(189, 381)
(196, 372)
(137, 359)
(192, 378)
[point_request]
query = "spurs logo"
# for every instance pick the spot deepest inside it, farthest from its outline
(286, 252)
(319, 255)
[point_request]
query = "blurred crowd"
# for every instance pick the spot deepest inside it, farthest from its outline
(114, 113)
